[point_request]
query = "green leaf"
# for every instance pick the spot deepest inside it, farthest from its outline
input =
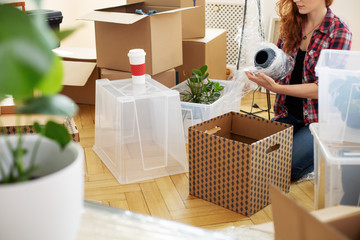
(197, 72)
(205, 76)
(2, 97)
(51, 83)
(61, 35)
(203, 69)
(57, 132)
(25, 55)
(53, 105)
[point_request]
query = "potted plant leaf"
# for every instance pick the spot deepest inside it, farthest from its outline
(200, 88)
(203, 99)
(41, 176)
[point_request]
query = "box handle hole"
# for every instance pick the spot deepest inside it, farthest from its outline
(213, 130)
(273, 148)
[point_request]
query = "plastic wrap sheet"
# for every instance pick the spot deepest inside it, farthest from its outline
(247, 233)
(103, 222)
(271, 60)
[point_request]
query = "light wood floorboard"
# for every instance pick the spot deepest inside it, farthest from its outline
(168, 197)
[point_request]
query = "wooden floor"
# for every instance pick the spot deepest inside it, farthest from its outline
(168, 197)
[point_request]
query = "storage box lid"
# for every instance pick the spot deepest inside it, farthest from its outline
(76, 53)
(338, 60)
(123, 18)
(336, 153)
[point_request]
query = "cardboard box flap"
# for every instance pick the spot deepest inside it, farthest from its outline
(111, 3)
(123, 17)
(77, 73)
(345, 225)
(211, 34)
(113, 17)
(174, 10)
(291, 221)
(76, 53)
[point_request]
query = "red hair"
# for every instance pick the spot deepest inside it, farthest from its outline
(291, 23)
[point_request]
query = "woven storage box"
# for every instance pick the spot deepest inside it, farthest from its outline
(233, 166)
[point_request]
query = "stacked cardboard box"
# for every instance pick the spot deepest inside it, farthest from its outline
(118, 29)
(210, 50)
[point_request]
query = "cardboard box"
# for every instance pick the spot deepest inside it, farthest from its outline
(166, 78)
(26, 124)
(80, 73)
(210, 50)
(7, 106)
(291, 221)
(233, 166)
(193, 21)
(119, 29)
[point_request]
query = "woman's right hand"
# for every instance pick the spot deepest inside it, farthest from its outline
(262, 80)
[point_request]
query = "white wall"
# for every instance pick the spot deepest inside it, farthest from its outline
(347, 10)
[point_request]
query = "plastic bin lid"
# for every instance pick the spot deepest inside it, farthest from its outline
(336, 153)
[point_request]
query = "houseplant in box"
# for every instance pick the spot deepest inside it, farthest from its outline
(41, 177)
(203, 99)
(200, 88)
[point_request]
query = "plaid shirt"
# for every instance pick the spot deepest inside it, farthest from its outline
(332, 34)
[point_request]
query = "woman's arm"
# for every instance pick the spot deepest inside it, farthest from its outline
(309, 90)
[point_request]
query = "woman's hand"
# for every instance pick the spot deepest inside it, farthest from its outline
(262, 80)
(308, 90)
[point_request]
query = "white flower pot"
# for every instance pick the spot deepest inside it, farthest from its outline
(48, 207)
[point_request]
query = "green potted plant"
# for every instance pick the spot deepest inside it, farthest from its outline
(200, 88)
(41, 176)
(203, 99)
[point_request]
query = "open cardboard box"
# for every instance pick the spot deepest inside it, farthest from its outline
(193, 21)
(291, 221)
(210, 50)
(166, 78)
(119, 29)
(26, 123)
(233, 158)
(80, 73)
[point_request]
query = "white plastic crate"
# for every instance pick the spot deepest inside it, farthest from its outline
(138, 130)
(337, 172)
(339, 95)
(194, 113)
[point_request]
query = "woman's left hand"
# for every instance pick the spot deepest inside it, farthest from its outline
(262, 80)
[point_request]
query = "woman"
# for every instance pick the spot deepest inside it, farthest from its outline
(307, 26)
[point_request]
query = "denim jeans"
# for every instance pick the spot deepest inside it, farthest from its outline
(303, 148)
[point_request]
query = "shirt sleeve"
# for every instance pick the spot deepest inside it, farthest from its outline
(341, 38)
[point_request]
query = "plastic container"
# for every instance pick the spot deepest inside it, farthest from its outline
(339, 95)
(52, 17)
(337, 172)
(194, 113)
(138, 129)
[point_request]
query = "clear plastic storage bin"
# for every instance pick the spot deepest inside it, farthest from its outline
(337, 172)
(229, 101)
(138, 129)
(339, 95)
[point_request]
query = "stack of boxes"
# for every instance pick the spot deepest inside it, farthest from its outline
(174, 39)
(337, 135)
